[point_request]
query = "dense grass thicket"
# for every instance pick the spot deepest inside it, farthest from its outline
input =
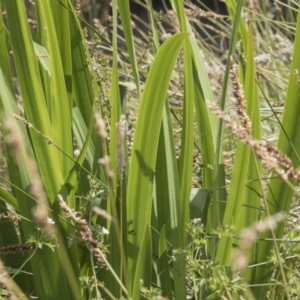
(149, 162)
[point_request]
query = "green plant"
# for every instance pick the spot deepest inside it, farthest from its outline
(96, 200)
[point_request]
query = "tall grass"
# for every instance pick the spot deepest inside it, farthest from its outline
(184, 186)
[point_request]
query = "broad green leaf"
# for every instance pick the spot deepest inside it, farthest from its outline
(143, 271)
(33, 97)
(251, 204)
(59, 106)
(167, 201)
(142, 167)
(167, 182)
(82, 85)
(219, 178)
(60, 15)
(53, 280)
(236, 196)
(168, 215)
(4, 56)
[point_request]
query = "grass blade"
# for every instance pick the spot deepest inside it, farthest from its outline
(140, 182)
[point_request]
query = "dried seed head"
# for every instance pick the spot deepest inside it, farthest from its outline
(249, 235)
(100, 126)
(15, 140)
(105, 161)
(85, 231)
(121, 132)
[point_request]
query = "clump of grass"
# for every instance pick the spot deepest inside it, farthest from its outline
(111, 142)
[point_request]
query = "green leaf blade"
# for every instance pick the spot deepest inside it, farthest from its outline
(141, 173)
